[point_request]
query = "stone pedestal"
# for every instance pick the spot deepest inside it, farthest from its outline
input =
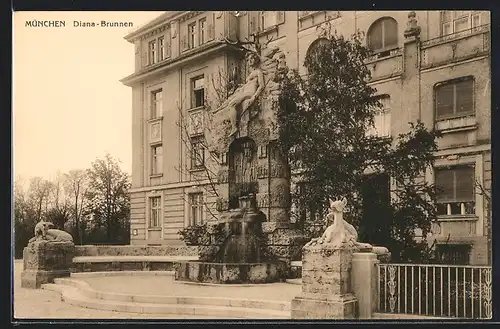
(43, 261)
(365, 282)
(326, 284)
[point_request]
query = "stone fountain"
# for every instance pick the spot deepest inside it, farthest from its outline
(252, 240)
(239, 254)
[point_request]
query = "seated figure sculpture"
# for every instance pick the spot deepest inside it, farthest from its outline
(339, 233)
(43, 232)
(244, 95)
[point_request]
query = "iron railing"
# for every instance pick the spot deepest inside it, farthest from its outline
(435, 290)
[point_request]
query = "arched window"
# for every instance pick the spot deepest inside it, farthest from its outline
(316, 44)
(383, 34)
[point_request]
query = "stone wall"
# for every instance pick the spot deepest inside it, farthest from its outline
(164, 250)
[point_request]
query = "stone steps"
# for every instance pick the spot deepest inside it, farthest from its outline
(80, 294)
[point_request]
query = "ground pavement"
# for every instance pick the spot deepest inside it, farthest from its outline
(44, 304)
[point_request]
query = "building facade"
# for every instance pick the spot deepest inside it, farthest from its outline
(440, 75)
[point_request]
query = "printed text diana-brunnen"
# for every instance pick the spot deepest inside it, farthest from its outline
(54, 23)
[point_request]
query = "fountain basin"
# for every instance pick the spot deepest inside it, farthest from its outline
(230, 273)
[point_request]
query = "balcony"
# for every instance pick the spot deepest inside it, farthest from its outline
(456, 47)
(387, 64)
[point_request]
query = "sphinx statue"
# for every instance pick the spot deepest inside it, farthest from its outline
(44, 232)
(244, 95)
(340, 233)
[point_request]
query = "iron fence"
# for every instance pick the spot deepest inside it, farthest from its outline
(435, 290)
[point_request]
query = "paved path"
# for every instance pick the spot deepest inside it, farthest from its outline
(44, 304)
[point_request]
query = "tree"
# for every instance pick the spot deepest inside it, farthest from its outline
(59, 209)
(25, 218)
(76, 186)
(39, 193)
(108, 200)
(486, 194)
(325, 122)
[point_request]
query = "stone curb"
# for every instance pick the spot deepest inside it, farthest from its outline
(294, 281)
(121, 273)
(107, 259)
(255, 306)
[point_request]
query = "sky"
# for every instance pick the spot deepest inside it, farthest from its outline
(69, 107)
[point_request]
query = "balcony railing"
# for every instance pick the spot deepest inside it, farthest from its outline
(457, 35)
(436, 290)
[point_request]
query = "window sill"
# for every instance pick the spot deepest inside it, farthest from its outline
(196, 170)
(268, 30)
(311, 14)
(456, 124)
(155, 175)
(197, 108)
(457, 218)
(154, 228)
(153, 120)
(377, 55)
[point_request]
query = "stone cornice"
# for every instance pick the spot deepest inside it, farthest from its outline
(188, 15)
(159, 24)
(155, 31)
(206, 50)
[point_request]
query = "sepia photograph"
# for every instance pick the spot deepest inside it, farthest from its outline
(252, 165)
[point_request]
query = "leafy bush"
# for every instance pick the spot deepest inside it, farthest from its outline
(195, 234)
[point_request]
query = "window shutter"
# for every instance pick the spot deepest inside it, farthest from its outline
(168, 43)
(444, 100)
(375, 36)
(183, 38)
(253, 22)
(211, 26)
(444, 184)
(280, 17)
(464, 178)
(184, 43)
(390, 32)
(464, 94)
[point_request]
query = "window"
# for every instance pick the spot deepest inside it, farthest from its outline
(383, 35)
(454, 98)
(154, 212)
(161, 49)
(316, 45)
(191, 35)
(453, 254)
(455, 191)
(152, 52)
(197, 153)
(458, 21)
(198, 91)
(203, 31)
(156, 104)
(156, 159)
(382, 119)
(268, 19)
(195, 208)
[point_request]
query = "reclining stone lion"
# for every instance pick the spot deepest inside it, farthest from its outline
(44, 232)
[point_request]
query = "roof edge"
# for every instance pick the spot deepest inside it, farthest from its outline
(130, 37)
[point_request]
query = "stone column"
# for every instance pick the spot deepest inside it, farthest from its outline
(326, 284)
(43, 261)
(365, 283)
